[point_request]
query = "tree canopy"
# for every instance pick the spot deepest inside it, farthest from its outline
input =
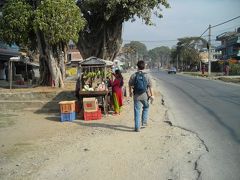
(102, 36)
(124, 9)
(60, 21)
(136, 47)
(159, 54)
(187, 50)
(15, 22)
(46, 26)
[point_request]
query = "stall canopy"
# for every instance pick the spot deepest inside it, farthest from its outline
(94, 61)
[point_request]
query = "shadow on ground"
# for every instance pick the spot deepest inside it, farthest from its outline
(51, 100)
(92, 124)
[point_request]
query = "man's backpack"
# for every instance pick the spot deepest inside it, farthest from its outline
(140, 83)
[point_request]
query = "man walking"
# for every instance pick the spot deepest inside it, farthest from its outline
(140, 86)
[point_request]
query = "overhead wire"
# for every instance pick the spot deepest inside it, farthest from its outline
(225, 22)
(171, 40)
(219, 24)
(204, 32)
(232, 27)
(156, 41)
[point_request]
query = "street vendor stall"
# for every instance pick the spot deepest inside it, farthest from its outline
(21, 72)
(93, 80)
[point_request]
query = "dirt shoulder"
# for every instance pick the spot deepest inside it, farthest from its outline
(38, 146)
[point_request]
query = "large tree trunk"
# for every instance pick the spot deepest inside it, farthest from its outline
(51, 60)
(101, 38)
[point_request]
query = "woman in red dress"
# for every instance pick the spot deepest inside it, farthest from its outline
(117, 91)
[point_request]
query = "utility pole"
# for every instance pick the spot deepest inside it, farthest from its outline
(182, 63)
(177, 62)
(209, 50)
(136, 56)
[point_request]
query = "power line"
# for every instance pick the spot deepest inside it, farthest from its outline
(204, 32)
(216, 33)
(158, 41)
(219, 24)
(225, 22)
(172, 40)
(232, 27)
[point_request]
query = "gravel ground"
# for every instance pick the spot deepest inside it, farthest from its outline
(38, 146)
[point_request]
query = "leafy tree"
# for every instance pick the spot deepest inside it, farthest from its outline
(102, 35)
(160, 55)
(187, 50)
(136, 48)
(134, 51)
(45, 26)
(15, 23)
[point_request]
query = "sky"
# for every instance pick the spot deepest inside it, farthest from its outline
(185, 18)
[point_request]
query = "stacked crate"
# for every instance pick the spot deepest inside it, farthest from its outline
(68, 110)
(91, 109)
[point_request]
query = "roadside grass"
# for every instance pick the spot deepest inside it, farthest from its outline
(196, 74)
(218, 76)
(229, 79)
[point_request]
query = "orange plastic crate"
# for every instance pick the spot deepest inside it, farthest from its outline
(97, 115)
(67, 106)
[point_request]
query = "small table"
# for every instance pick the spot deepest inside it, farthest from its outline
(101, 94)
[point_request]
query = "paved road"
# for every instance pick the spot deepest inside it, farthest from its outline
(212, 110)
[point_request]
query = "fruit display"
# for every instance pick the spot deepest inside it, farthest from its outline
(94, 74)
(94, 78)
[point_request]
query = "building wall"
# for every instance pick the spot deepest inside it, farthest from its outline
(73, 53)
(230, 45)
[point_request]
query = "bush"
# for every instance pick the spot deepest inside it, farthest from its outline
(216, 67)
(234, 69)
(71, 71)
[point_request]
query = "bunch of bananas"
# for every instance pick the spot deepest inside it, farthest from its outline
(97, 74)
(89, 75)
(109, 74)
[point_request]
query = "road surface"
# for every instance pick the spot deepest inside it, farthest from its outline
(211, 109)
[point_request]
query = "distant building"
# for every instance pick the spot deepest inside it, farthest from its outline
(6, 52)
(230, 46)
(74, 56)
(203, 53)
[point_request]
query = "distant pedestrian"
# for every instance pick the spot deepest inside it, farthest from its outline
(196, 68)
(226, 70)
(140, 86)
(203, 69)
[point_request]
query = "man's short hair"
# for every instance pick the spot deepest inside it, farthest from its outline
(141, 65)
